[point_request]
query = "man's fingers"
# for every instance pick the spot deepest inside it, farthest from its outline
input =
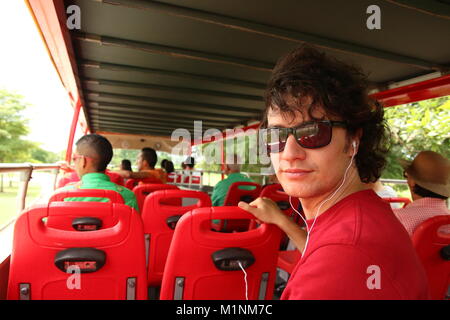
(247, 207)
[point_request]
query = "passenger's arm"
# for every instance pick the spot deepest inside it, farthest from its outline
(134, 175)
(266, 210)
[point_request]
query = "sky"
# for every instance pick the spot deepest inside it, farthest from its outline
(25, 68)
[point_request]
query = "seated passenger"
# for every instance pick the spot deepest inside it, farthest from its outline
(146, 162)
(92, 154)
(221, 189)
(126, 165)
(189, 163)
(428, 177)
(168, 166)
(385, 192)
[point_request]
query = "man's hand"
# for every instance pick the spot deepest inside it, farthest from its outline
(264, 210)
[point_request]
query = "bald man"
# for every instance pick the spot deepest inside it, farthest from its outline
(92, 154)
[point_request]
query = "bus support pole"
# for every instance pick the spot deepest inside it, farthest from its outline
(73, 128)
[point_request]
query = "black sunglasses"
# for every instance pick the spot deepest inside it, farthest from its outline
(310, 135)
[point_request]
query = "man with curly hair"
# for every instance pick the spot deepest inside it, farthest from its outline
(327, 140)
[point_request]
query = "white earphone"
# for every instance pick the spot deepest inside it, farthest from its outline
(354, 144)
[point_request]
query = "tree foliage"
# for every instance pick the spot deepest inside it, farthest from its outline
(13, 128)
(423, 125)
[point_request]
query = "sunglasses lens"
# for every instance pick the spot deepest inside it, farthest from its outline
(274, 139)
(314, 135)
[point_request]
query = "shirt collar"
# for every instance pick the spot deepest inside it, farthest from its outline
(94, 176)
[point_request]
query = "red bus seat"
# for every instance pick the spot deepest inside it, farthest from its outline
(61, 220)
(433, 249)
(131, 183)
(160, 219)
(194, 179)
(234, 195)
(115, 177)
(276, 193)
(49, 263)
(288, 259)
(204, 264)
(112, 195)
(172, 177)
(142, 191)
(405, 201)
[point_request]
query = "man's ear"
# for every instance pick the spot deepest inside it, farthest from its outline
(84, 164)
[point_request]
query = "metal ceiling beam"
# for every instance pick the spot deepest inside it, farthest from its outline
(131, 125)
(193, 106)
(137, 85)
(158, 110)
(125, 131)
(174, 52)
(274, 32)
(119, 124)
(144, 117)
(184, 75)
(143, 123)
(432, 7)
(164, 125)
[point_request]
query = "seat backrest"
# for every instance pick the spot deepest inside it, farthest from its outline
(203, 264)
(62, 220)
(160, 219)
(277, 194)
(132, 183)
(142, 191)
(112, 195)
(234, 195)
(405, 201)
(172, 177)
(50, 263)
(433, 249)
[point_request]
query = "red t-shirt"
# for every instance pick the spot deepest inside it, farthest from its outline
(358, 250)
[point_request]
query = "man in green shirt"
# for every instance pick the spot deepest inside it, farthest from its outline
(92, 154)
(221, 189)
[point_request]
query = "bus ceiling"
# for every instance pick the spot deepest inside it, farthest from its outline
(146, 68)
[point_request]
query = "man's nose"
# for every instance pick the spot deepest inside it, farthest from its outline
(292, 150)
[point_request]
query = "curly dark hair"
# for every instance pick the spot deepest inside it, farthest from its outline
(313, 80)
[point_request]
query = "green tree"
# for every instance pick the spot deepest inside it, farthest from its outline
(13, 126)
(43, 156)
(423, 125)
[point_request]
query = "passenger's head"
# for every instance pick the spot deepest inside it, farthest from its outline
(189, 163)
(146, 159)
(163, 163)
(428, 175)
(330, 99)
(92, 154)
(233, 166)
(169, 167)
(126, 165)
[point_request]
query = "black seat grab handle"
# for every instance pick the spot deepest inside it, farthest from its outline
(86, 224)
(85, 260)
(445, 253)
(229, 259)
(172, 221)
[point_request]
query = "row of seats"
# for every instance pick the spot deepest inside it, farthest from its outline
(111, 246)
(153, 258)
